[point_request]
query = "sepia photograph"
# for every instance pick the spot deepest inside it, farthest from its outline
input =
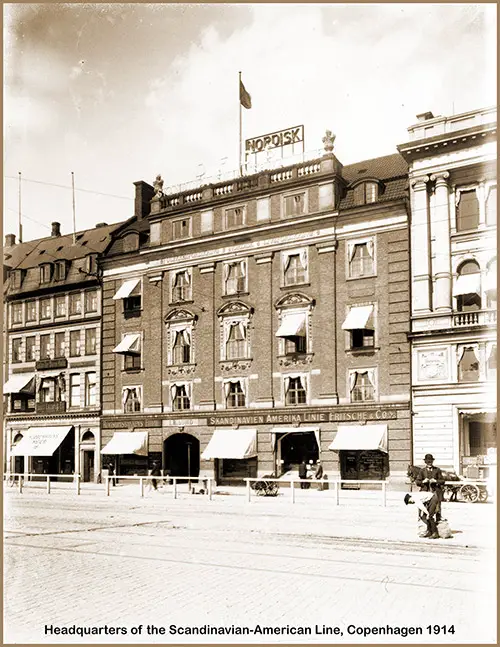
(250, 323)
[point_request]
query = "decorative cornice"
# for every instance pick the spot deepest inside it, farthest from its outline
(182, 369)
(234, 308)
(179, 314)
(440, 177)
(293, 300)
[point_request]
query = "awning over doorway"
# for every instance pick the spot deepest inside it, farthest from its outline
(292, 326)
(127, 442)
(126, 289)
(293, 430)
(232, 443)
(17, 383)
(467, 284)
(359, 318)
(40, 441)
(359, 437)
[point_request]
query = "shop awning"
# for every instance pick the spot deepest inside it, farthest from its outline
(126, 289)
(293, 430)
(292, 326)
(232, 443)
(354, 437)
(467, 284)
(359, 318)
(40, 441)
(129, 344)
(127, 442)
(18, 383)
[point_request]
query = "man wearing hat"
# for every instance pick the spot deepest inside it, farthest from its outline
(430, 479)
(427, 504)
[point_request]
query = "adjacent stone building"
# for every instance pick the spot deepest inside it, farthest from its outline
(53, 343)
(452, 163)
(252, 324)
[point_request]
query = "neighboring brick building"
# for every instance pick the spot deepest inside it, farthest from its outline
(53, 338)
(248, 325)
(453, 229)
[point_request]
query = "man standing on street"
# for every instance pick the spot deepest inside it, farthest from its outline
(155, 472)
(303, 475)
(430, 479)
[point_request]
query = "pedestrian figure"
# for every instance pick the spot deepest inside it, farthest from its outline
(155, 472)
(111, 472)
(430, 479)
(319, 473)
(427, 504)
(303, 475)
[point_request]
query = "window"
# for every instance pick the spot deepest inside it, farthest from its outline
(91, 264)
(181, 229)
(132, 362)
(468, 287)
(235, 277)
(16, 350)
(360, 326)
(45, 308)
(295, 392)
(467, 212)
(17, 278)
(74, 390)
(131, 399)
(294, 205)
(74, 343)
(295, 344)
(30, 349)
(46, 392)
(130, 348)
(90, 389)
(17, 313)
(326, 196)
(491, 206)
(295, 268)
(91, 301)
(75, 304)
(44, 346)
(362, 338)
(207, 222)
(468, 367)
(132, 305)
(236, 340)
(361, 260)
(293, 331)
(235, 217)
(90, 341)
(45, 273)
(60, 306)
(365, 193)
(263, 209)
(181, 349)
(180, 398)
(59, 344)
(60, 270)
(181, 286)
(491, 360)
(30, 310)
(362, 386)
(235, 396)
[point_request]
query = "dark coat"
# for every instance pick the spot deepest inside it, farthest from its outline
(155, 471)
(430, 473)
(319, 472)
(302, 471)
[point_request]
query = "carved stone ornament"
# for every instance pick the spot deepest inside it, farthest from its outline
(235, 365)
(328, 140)
(294, 300)
(178, 315)
(182, 370)
(295, 360)
(158, 187)
(234, 308)
(433, 365)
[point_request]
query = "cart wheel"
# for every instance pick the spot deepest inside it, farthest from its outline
(483, 494)
(469, 492)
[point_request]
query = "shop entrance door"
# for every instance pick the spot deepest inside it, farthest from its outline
(182, 455)
(88, 466)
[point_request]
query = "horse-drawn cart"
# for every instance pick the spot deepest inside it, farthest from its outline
(458, 488)
(263, 487)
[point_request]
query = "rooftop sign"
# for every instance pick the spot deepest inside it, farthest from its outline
(279, 139)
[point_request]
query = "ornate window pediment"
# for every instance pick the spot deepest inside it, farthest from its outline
(234, 308)
(179, 315)
(295, 300)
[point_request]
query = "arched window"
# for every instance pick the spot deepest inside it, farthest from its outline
(88, 437)
(467, 288)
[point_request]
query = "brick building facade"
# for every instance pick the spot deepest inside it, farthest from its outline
(252, 324)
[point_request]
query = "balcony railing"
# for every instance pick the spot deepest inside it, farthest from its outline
(475, 318)
(50, 407)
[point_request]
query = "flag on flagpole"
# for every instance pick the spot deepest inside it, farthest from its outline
(245, 98)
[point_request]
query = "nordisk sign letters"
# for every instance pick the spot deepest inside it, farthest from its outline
(278, 139)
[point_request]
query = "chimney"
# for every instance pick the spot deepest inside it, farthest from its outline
(56, 229)
(425, 116)
(144, 193)
(101, 224)
(10, 240)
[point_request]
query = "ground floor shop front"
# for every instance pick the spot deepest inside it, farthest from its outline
(55, 446)
(373, 443)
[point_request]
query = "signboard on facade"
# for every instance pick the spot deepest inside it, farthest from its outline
(297, 418)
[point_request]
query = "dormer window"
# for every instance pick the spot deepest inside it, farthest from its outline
(366, 193)
(45, 273)
(91, 264)
(60, 270)
(17, 278)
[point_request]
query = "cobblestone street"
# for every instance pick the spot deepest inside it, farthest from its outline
(121, 561)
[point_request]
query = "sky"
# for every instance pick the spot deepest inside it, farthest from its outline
(117, 93)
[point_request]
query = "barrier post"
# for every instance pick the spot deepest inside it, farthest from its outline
(292, 490)
(141, 482)
(384, 494)
(48, 484)
(174, 478)
(77, 483)
(248, 490)
(20, 484)
(107, 485)
(337, 493)
(210, 488)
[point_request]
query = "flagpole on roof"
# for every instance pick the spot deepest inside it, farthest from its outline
(74, 210)
(20, 223)
(241, 130)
